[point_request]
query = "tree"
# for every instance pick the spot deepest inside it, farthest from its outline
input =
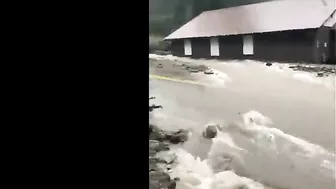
(168, 15)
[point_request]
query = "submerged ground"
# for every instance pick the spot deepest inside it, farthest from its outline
(300, 105)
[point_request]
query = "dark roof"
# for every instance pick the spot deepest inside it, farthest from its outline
(271, 16)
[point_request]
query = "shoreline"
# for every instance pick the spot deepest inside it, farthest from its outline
(322, 70)
(161, 141)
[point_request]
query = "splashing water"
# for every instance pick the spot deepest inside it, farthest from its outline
(197, 174)
(250, 150)
(301, 76)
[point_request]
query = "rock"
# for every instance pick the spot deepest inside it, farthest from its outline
(160, 66)
(162, 185)
(155, 133)
(320, 74)
(152, 153)
(171, 184)
(292, 67)
(177, 137)
(332, 70)
(158, 146)
(210, 131)
(180, 138)
(158, 135)
(268, 64)
(208, 72)
(156, 160)
(173, 137)
(159, 176)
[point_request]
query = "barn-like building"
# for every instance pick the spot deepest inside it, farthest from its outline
(281, 30)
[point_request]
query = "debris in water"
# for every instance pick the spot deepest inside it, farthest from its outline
(178, 136)
(320, 70)
(320, 74)
(173, 137)
(210, 131)
(208, 71)
(152, 107)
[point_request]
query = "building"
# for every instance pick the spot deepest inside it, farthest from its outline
(333, 42)
(281, 30)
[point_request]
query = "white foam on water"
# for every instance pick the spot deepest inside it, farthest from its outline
(242, 154)
(197, 174)
(309, 78)
(275, 69)
(305, 77)
(255, 118)
(328, 82)
(217, 79)
(171, 57)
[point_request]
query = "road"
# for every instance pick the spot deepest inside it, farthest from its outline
(302, 109)
(300, 105)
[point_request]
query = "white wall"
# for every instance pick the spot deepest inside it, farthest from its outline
(187, 47)
(214, 46)
(248, 45)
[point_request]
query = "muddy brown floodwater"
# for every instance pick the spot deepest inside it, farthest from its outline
(300, 105)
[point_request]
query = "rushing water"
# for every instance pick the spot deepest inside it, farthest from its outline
(292, 148)
(244, 153)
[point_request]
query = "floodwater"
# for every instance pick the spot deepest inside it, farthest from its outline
(293, 148)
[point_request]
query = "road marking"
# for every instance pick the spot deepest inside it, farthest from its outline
(176, 80)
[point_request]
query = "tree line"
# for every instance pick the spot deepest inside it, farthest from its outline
(166, 16)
